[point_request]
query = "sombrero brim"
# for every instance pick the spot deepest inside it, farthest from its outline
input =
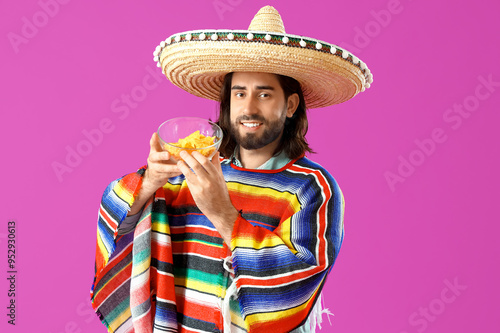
(197, 62)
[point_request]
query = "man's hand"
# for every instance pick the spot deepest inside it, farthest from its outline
(160, 169)
(209, 190)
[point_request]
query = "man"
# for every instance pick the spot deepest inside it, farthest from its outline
(243, 243)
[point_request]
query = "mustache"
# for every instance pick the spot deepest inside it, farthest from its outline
(254, 117)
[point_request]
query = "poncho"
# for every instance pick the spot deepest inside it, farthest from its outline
(174, 273)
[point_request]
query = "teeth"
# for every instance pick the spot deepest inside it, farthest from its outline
(250, 124)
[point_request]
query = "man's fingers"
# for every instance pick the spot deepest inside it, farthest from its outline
(162, 170)
(205, 162)
(154, 143)
(195, 161)
(159, 157)
(156, 153)
(186, 170)
(216, 162)
(168, 168)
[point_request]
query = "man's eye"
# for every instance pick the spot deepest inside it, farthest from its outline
(264, 95)
(238, 94)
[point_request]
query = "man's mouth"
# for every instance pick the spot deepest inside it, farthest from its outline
(251, 124)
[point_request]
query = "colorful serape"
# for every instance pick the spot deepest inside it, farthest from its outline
(175, 273)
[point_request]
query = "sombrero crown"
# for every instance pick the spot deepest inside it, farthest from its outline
(198, 60)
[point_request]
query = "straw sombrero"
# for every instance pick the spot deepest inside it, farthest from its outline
(197, 61)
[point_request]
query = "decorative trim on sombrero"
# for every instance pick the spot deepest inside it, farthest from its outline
(287, 40)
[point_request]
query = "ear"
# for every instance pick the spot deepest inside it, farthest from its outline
(292, 104)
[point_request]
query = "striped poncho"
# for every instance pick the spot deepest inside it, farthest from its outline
(174, 273)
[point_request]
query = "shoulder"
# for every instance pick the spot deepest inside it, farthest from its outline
(307, 166)
(304, 167)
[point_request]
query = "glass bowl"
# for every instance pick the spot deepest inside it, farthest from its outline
(172, 132)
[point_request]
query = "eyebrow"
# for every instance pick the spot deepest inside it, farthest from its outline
(236, 87)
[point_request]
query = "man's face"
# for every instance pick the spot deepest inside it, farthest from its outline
(258, 109)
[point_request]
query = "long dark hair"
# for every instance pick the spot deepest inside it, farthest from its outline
(293, 140)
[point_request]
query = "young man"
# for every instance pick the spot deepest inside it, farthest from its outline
(244, 243)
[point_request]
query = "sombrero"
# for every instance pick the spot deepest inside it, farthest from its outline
(198, 60)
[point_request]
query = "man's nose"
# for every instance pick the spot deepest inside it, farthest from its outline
(250, 106)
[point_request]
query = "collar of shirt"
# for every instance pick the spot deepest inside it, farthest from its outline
(274, 163)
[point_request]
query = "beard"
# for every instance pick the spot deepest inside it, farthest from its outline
(272, 131)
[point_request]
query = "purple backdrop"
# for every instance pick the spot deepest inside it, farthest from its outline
(417, 155)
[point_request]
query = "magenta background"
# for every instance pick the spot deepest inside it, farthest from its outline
(441, 223)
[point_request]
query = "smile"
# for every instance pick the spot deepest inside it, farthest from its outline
(251, 125)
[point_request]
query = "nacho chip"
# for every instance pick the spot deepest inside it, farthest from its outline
(193, 141)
